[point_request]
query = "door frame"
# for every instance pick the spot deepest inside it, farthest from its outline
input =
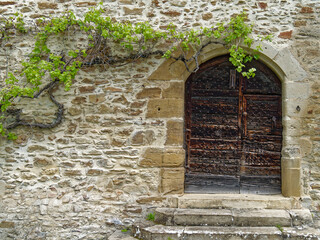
(292, 77)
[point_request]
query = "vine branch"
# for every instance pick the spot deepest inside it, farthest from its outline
(110, 43)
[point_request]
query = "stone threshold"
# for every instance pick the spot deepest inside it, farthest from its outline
(241, 201)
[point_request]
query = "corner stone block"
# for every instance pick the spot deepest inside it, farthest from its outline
(149, 93)
(171, 69)
(152, 158)
(159, 157)
(165, 108)
(288, 163)
(293, 90)
(163, 73)
(176, 90)
(297, 107)
(172, 181)
(173, 158)
(212, 51)
(290, 66)
(174, 133)
(291, 182)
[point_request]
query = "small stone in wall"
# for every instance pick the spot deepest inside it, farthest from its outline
(144, 200)
(122, 99)
(306, 10)
(262, 5)
(97, 98)
(125, 2)
(207, 16)
(105, 163)
(87, 89)
(6, 224)
(71, 172)
(137, 138)
(133, 209)
(300, 23)
(50, 171)
(63, 141)
(47, 5)
(171, 13)
(178, 3)
(43, 179)
(25, 10)
(2, 188)
(137, 104)
(149, 137)
(93, 119)
(79, 100)
(133, 11)
(41, 161)
(103, 109)
(85, 4)
(21, 140)
(285, 35)
(113, 89)
(143, 137)
(73, 111)
(71, 128)
(34, 148)
(28, 176)
(9, 149)
(118, 142)
(64, 184)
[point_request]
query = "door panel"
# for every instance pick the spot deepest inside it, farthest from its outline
(232, 130)
(212, 131)
(260, 170)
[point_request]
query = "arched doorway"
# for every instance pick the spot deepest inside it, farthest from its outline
(233, 130)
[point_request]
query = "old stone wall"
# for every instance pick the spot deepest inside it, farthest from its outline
(119, 150)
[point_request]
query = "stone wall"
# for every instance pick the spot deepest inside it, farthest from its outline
(119, 150)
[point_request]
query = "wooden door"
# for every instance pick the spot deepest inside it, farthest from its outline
(233, 130)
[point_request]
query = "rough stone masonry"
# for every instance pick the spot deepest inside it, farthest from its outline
(119, 151)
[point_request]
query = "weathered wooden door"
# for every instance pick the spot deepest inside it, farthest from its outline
(233, 130)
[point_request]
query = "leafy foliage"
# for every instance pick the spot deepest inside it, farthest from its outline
(151, 216)
(45, 67)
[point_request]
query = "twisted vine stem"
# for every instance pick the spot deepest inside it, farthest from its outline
(138, 41)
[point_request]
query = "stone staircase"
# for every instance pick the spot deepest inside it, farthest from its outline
(233, 217)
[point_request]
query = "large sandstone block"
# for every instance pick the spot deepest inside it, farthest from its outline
(159, 157)
(291, 182)
(174, 133)
(172, 180)
(165, 108)
(149, 93)
(175, 90)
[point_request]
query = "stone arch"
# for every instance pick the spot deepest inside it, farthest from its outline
(294, 94)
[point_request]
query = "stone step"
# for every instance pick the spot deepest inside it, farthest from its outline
(121, 235)
(233, 217)
(234, 201)
(160, 232)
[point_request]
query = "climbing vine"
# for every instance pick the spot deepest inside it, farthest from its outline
(108, 43)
